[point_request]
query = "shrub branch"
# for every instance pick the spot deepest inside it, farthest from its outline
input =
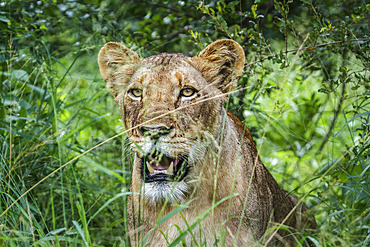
(307, 48)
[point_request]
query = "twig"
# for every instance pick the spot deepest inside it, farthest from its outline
(307, 48)
(335, 113)
(173, 9)
(215, 20)
(334, 119)
(353, 72)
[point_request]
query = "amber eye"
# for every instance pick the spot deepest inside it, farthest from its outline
(187, 92)
(135, 93)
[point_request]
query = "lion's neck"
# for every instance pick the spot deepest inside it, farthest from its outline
(219, 168)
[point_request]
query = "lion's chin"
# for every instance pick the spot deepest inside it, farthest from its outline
(161, 192)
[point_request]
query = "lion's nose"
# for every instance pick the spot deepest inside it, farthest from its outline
(155, 131)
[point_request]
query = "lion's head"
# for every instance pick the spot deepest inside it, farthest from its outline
(171, 105)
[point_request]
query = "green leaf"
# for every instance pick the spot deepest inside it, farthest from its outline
(43, 27)
(254, 11)
(80, 231)
(323, 90)
(17, 74)
(4, 19)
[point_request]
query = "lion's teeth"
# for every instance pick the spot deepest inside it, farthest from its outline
(150, 168)
(170, 168)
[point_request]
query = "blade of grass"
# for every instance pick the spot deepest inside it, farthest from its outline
(199, 219)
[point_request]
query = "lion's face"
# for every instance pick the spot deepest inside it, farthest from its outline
(165, 98)
(171, 107)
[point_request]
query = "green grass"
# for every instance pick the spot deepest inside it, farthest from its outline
(52, 140)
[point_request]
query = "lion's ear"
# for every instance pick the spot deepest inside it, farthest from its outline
(221, 63)
(117, 64)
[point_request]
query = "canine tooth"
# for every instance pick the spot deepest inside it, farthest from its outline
(150, 168)
(170, 168)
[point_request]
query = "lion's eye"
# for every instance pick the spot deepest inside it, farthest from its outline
(187, 92)
(135, 93)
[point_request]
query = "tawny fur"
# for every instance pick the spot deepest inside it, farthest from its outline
(223, 156)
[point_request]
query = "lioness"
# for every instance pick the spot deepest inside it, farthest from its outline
(190, 149)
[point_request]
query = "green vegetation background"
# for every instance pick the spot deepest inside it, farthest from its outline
(305, 95)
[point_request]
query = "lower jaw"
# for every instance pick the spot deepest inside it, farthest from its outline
(156, 178)
(165, 191)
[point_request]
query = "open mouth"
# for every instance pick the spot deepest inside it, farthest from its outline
(158, 167)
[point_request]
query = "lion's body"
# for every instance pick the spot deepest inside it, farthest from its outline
(213, 149)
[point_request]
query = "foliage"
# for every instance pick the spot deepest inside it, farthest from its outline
(305, 95)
